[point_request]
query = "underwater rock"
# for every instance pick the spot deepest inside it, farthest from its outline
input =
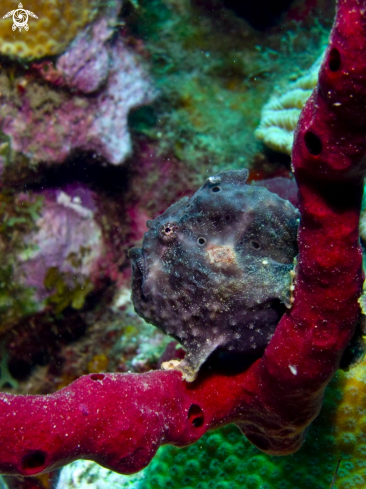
(47, 124)
(214, 270)
(85, 65)
(61, 258)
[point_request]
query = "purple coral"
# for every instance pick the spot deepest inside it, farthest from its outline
(85, 65)
(68, 243)
(104, 80)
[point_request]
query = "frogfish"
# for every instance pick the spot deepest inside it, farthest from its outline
(214, 270)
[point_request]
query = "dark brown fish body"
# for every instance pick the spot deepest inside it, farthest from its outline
(214, 270)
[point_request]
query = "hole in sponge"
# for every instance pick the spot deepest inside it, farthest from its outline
(34, 462)
(334, 60)
(195, 416)
(313, 143)
(97, 376)
(216, 189)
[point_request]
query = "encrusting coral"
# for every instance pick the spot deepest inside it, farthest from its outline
(103, 81)
(58, 261)
(223, 259)
(57, 25)
(66, 247)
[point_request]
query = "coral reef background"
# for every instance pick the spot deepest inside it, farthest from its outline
(109, 114)
(215, 72)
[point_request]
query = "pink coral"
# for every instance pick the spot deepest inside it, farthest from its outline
(68, 241)
(85, 65)
(103, 81)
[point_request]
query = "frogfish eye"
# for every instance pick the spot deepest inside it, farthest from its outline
(168, 232)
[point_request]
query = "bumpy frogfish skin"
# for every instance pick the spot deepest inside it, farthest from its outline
(214, 269)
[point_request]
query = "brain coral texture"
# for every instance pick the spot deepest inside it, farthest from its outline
(57, 24)
(281, 113)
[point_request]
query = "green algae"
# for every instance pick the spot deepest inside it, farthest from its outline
(214, 73)
(18, 217)
(63, 294)
(3, 485)
(5, 148)
(5, 376)
(16, 301)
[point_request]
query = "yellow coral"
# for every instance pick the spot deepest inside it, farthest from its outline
(350, 427)
(57, 25)
(99, 363)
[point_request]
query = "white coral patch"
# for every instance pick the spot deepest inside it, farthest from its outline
(280, 115)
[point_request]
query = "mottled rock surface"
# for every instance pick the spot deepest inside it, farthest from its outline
(214, 270)
(102, 80)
